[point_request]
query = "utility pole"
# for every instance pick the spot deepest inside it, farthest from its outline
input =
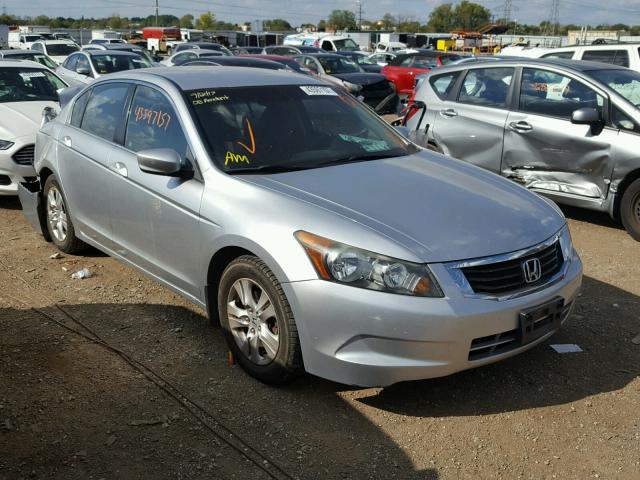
(359, 13)
(554, 19)
(156, 13)
(4, 10)
(506, 12)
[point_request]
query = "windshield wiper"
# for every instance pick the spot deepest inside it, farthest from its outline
(271, 169)
(356, 158)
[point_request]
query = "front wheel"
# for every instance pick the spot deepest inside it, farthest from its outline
(59, 224)
(257, 321)
(630, 209)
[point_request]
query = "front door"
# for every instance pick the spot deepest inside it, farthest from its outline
(471, 128)
(156, 217)
(544, 150)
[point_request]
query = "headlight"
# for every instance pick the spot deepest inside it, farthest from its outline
(340, 263)
(565, 244)
(351, 87)
(5, 144)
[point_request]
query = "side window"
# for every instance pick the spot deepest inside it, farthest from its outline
(104, 110)
(547, 93)
(326, 45)
(568, 55)
(487, 87)
(406, 62)
(620, 120)
(37, 46)
(153, 123)
(70, 63)
(78, 108)
(614, 57)
(443, 84)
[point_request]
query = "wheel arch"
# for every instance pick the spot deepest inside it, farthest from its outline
(621, 188)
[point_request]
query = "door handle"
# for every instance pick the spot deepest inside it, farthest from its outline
(521, 126)
(120, 168)
(449, 113)
(67, 140)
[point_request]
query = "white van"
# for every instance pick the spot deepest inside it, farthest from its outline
(623, 54)
(22, 41)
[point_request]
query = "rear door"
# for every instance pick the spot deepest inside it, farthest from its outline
(471, 126)
(544, 150)
(85, 147)
(156, 217)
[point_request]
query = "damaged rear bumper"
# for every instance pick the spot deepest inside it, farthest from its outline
(30, 195)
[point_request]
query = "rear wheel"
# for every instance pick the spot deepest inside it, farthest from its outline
(257, 321)
(59, 223)
(630, 209)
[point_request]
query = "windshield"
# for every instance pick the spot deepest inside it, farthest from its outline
(332, 65)
(346, 45)
(60, 49)
(107, 63)
(624, 82)
(290, 127)
(35, 57)
(364, 60)
(446, 60)
(28, 85)
(216, 47)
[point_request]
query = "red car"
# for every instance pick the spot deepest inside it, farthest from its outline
(403, 69)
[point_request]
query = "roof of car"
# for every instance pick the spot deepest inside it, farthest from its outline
(21, 64)
(577, 65)
(56, 42)
(196, 77)
(20, 52)
(323, 55)
(198, 44)
(99, 53)
(238, 60)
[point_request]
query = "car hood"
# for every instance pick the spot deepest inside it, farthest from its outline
(439, 208)
(19, 119)
(363, 79)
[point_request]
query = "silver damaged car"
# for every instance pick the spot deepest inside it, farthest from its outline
(319, 238)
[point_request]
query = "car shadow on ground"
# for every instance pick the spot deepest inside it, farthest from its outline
(313, 432)
(10, 203)
(590, 216)
(603, 325)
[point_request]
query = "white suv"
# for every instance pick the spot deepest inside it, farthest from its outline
(623, 54)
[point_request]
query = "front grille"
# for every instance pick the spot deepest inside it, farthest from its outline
(25, 155)
(508, 276)
(504, 342)
(5, 180)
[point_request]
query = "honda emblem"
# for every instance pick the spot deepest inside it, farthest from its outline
(532, 270)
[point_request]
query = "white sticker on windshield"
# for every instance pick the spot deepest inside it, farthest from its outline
(315, 90)
(367, 144)
(26, 75)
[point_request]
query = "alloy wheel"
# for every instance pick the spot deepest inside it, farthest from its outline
(57, 214)
(253, 321)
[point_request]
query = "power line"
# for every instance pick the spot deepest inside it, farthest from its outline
(506, 11)
(359, 13)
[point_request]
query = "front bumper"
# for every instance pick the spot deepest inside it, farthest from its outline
(367, 338)
(12, 173)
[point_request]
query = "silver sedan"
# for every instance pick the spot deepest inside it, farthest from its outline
(320, 238)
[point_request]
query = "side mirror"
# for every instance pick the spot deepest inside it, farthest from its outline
(82, 70)
(48, 114)
(160, 161)
(588, 116)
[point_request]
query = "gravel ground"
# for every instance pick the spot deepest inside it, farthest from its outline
(155, 397)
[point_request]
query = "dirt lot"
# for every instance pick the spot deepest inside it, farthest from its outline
(156, 398)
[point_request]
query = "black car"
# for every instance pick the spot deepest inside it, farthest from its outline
(372, 88)
(363, 60)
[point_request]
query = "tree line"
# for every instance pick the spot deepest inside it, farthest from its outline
(444, 18)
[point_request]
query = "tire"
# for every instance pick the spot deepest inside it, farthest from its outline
(58, 221)
(630, 209)
(265, 345)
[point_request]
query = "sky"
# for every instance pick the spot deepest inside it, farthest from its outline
(582, 12)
